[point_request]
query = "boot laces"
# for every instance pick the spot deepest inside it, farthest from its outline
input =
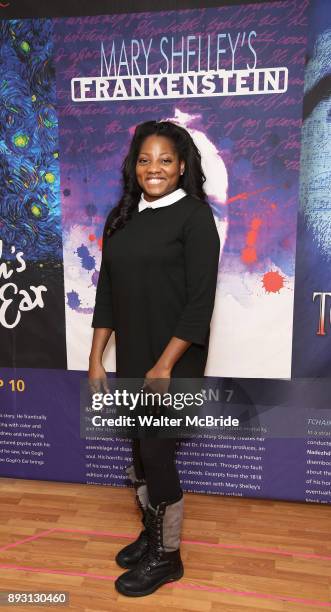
(154, 531)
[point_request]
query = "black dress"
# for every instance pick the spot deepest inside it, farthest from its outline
(158, 279)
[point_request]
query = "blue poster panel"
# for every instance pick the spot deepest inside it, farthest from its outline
(32, 313)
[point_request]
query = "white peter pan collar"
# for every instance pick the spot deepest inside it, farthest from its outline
(169, 198)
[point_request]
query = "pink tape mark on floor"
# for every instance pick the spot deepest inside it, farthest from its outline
(274, 551)
(203, 587)
(179, 585)
(129, 536)
(46, 570)
(42, 534)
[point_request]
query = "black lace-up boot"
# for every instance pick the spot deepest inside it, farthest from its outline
(162, 562)
(131, 554)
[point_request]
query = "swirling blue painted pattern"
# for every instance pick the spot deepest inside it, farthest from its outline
(29, 149)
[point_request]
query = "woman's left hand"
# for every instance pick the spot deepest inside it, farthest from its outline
(157, 379)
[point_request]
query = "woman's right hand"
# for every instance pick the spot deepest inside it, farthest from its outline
(97, 377)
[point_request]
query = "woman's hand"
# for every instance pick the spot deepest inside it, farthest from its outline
(157, 379)
(97, 377)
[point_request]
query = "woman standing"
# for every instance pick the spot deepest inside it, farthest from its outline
(156, 290)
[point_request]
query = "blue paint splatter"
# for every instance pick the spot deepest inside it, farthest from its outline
(95, 277)
(73, 300)
(87, 260)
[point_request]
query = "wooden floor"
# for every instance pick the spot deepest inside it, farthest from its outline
(240, 555)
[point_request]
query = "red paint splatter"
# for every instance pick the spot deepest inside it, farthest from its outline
(100, 243)
(239, 196)
(272, 282)
(248, 253)
(246, 194)
(251, 238)
(256, 223)
(91, 237)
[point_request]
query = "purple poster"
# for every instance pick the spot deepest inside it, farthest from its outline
(233, 77)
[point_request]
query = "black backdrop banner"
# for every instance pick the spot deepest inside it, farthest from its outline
(62, 8)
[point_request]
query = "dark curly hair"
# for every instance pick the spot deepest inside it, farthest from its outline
(191, 181)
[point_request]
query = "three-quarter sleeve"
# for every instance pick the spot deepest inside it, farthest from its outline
(201, 254)
(103, 310)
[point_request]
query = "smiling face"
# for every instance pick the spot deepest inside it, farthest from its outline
(158, 167)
